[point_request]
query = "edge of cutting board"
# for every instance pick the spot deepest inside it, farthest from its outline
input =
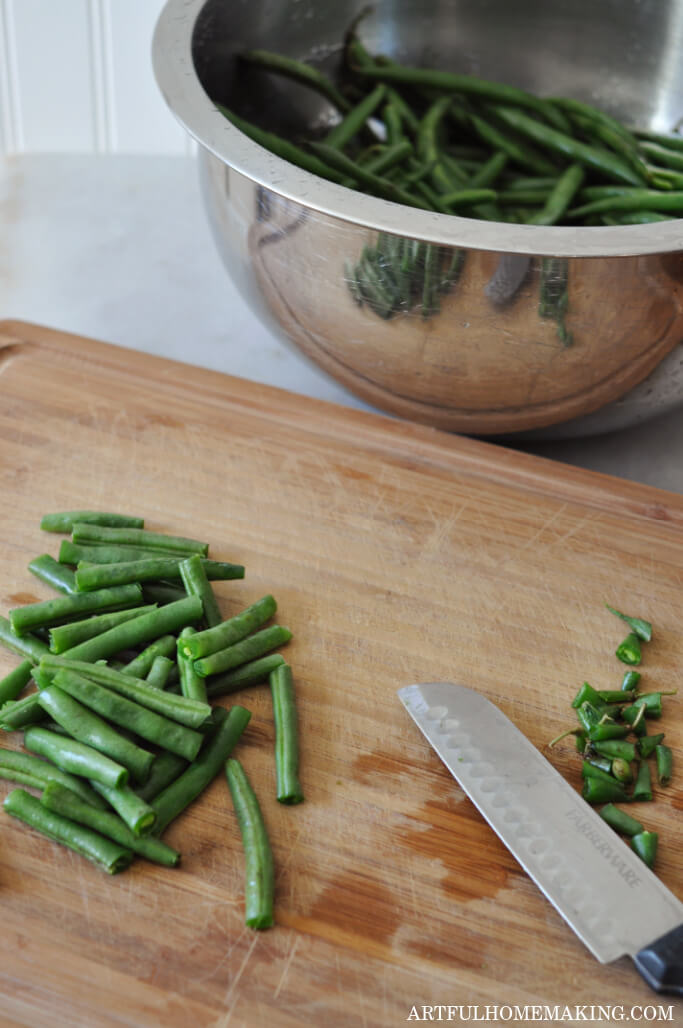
(424, 445)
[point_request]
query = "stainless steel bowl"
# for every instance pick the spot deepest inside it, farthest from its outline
(485, 362)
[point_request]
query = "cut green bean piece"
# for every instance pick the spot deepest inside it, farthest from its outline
(645, 845)
(254, 672)
(289, 789)
(162, 592)
(664, 760)
(63, 521)
(15, 681)
(66, 637)
(27, 646)
(133, 811)
(88, 533)
(58, 609)
(182, 709)
(140, 666)
(193, 577)
(16, 714)
(643, 629)
(601, 769)
(139, 630)
(125, 713)
(50, 571)
(586, 692)
(246, 650)
(25, 769)
(605, 730)
(74, 757)
(642, 790)
(629, 652)
(160, 672)
(620, 821)
(109, 553)
(226, 731)
(62, 801)
(258, 857)
(647, 745)
(630, 680)
(616, 748)
(597, 790)
(91, 577)
(231, 631)
(190, 683)
(108, 855)
(165, 769)
(92, 730)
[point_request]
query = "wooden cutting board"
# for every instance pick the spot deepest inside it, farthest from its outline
(397, 554)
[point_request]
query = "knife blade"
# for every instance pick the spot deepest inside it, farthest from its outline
(600, 886)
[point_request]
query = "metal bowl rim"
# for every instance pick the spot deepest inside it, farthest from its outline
(179, 83)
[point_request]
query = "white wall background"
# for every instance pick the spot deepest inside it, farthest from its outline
(76, 77)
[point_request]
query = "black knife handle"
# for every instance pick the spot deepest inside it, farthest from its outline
(661, 963)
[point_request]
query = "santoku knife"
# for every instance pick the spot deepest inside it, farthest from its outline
(599, 885)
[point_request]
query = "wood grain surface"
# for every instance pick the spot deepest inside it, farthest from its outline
(397, 553)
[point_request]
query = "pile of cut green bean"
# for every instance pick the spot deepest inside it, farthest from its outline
(619, 752)
(457, 144)
(119, 733)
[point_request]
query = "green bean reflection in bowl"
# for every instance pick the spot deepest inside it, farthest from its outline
(440, 249)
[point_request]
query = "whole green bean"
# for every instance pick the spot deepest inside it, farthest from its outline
(70, 635)
(390, 156)
(523, 155)
(600, 160)
(108, 855)
(190, 683)
(428, 147)
(258, 856)
(92, 730)
(142, 629)
(662, 155)
(99, 576)
(135, 812)
(160, 672)
(375, 183)
(58, 609)
(247, 649)
(143, 537)
(298, 71)
(182, 709)
(284, 148)
(466, 198)
(356, 119)
(50, 571)
(226, 731)
(561, 196)
(286, 736)
(466, 85)
(74, 757)
(27, 645)
(63, 521)
(230, 631)
(671, 140)
(196, 583)
(128, 714)
(25, 769)
(62, 801)
(254, 672)
(15, 681)
(643, 199)
(489, 171)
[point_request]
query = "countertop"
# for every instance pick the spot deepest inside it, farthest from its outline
(118, 248)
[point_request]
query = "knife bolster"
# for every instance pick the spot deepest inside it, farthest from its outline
(661, 963)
